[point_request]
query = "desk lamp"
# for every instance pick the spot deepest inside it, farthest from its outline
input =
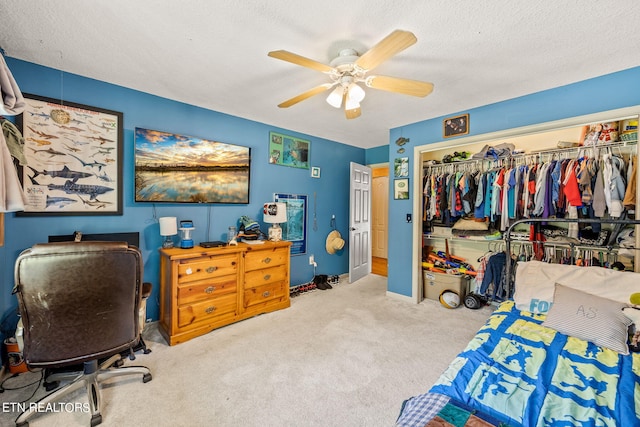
(275, 214)
(168, 228)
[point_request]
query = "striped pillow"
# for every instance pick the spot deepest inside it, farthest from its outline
(590, 318)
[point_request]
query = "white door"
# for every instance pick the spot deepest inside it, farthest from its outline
(360, 222)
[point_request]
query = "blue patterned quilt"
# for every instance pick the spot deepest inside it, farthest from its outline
(524, 374)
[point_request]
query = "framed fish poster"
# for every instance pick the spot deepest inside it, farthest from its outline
(72, 162)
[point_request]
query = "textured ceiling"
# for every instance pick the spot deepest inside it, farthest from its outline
(213, 53)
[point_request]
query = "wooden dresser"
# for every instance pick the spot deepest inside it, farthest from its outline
(202, 289)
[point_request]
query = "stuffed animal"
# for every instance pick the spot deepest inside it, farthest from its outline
(609, 133)
(633, 313)
(591, 135)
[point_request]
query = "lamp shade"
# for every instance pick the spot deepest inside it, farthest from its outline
(355, 94)
(168, 226)
(275, 213)
(335, 97)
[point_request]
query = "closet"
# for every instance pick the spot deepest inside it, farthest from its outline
(468, 204)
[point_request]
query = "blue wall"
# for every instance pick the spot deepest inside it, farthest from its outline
(377, 155)
(609, 92)
(152, 112)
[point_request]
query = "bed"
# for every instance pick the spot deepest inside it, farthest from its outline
(556, 354)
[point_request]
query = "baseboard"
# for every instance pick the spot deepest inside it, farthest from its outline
(400, 297)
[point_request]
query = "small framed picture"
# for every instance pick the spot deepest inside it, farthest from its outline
(401, 167)
(401, 189)
(455, 126)
(315, 172)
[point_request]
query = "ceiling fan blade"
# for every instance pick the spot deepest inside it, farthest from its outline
(352, 113)
(300, 60)
(308, 94)
(394, 43)
(395, 84)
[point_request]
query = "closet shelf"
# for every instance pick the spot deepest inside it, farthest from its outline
(519, 155)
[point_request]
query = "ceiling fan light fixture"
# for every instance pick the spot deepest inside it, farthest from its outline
(335, 97)
(355, 94)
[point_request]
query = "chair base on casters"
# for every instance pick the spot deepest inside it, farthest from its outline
(89, 379)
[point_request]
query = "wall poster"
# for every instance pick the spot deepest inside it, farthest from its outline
(72, 158)
(295, 229)
(288, 151)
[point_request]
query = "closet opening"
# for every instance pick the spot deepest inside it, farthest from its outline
(540, 142)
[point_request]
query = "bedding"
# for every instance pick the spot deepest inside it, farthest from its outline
(521, 373)
(536, 280)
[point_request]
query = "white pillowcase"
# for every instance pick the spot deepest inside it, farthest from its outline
(536, 280)
(590, 318)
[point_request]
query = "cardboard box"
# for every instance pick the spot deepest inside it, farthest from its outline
(436, 283)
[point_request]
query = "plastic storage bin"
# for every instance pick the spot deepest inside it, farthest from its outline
(436, 283)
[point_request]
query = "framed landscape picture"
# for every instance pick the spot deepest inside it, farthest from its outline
(72, 158)
(175, 168)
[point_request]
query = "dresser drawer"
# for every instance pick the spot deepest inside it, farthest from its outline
(256, 278)
(207, 289)
(207, 267)
(206, 310)
(258, 259)
(264, 293)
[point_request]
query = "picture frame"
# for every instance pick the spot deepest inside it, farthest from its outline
(287, 150)
(455, 126)
(315, 172)
(176, 168)
(401, 189)
(295, 229)
(72, 158)
(401, 167)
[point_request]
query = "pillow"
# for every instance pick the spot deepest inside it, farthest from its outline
(590, 318)
(536, 280)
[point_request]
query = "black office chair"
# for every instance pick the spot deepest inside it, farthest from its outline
(79, 303)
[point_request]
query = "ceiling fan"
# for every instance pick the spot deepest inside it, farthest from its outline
(350, 68)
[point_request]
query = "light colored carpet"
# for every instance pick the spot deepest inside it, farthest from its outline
(343, 357)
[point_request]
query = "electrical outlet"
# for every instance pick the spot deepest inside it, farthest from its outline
(311, 260)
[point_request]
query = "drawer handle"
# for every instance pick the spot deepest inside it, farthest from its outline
(266, 294)
(209, 289)
(211, 269)
(267, 276)
(210, 310)
(267, 260)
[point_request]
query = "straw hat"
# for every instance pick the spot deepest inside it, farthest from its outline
(334, 242)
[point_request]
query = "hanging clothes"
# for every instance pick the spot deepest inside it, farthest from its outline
(629, 201)
(13, 102)
(614, 185)
(12, 197)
